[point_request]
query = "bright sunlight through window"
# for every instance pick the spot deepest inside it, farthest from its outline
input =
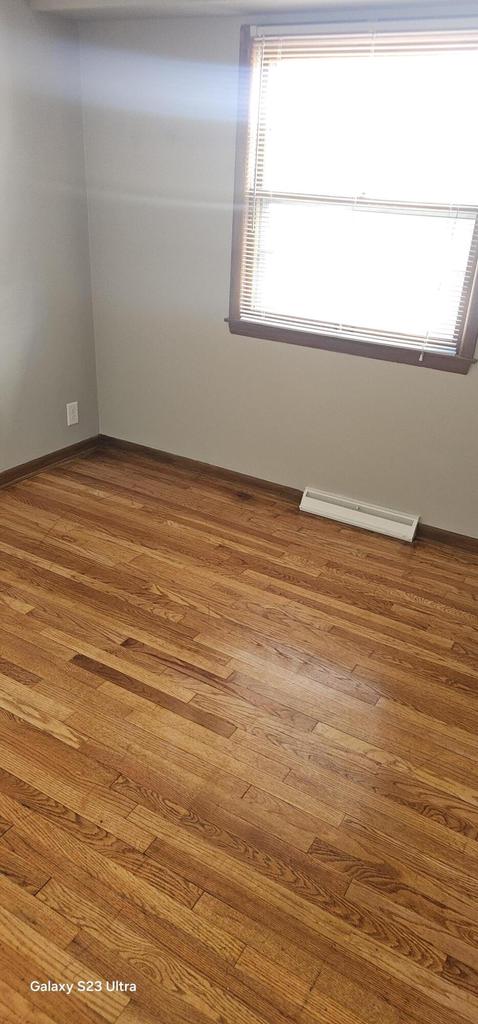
(358, 208)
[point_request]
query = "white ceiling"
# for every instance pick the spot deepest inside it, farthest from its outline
(201, 7)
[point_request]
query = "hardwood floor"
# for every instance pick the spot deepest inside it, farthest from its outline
(238, 757)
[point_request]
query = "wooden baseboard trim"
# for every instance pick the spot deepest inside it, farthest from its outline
(90, 444)
(456, 540)
(72, 451)
(424, 532)
(241, 479)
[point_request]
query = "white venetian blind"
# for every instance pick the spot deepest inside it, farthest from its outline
(362, 187)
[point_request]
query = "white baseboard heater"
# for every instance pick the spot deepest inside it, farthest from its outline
(353, 513)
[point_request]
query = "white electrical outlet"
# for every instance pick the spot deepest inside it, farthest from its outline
(71, 413)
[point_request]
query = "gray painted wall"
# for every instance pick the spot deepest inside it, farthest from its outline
(46, 337)
(160, 100)
(159, 112)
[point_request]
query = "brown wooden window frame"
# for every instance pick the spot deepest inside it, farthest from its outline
(459, 362)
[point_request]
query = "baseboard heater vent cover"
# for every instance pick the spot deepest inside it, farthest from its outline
(353, 513)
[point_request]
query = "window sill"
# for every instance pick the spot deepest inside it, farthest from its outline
(435, 361)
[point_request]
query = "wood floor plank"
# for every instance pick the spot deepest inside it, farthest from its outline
(260, 936)
(56, 963)
(34, 911)
(15, 1009)
(278, 985)
(99, 808)
(321, 1009)
(156, 696)
(348, 996)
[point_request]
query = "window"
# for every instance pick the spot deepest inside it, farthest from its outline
(356, 213)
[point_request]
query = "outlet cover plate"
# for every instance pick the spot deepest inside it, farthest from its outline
(71, 413)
